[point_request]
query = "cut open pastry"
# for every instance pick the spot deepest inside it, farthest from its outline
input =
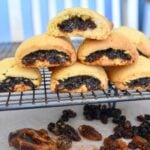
(78, 78)
(17, 79)
(138, 38)
(135, 76)
(31, 139)
(80, 22)
(45, 51)
(116, 50)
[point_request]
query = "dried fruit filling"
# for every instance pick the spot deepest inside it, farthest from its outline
(144, 82)
(52, 56)
(9, 83)
(76, 23)
(77, 81)
(110, 53)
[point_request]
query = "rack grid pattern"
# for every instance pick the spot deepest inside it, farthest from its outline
(43, 97)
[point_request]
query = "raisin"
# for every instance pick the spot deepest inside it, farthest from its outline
(52, 127)
(147, 117)
(60, 128)
(104, 119)
(133, 145)
(64, 118)
(140, 118)
(119, 120)
(70, 113)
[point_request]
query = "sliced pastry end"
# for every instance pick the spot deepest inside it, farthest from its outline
(14, 78)
(80, 22)
(135, 76)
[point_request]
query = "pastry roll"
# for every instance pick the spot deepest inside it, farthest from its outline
(45, 51)
(78, 78)
(116, 50)
(135, 76)
(138, 38)
(80, 22)
(17, 79)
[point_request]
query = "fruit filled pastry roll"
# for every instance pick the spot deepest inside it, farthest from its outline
(17, 79)
(135, 76)
(45, 51)
(116, 50)
(138, 38)
(78, 78)
(80, 22)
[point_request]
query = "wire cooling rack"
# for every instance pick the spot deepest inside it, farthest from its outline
(43, 97)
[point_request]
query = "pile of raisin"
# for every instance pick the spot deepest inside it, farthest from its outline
(100, 112)
(60, 128)
(143, 129)
(123, 130)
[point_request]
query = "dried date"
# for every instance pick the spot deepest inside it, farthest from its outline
(90, 133)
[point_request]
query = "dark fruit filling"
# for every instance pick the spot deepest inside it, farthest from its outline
(76, 81)
(144, 82)
(9, 83)
(76, 23)
(52, 56)
(110, 53)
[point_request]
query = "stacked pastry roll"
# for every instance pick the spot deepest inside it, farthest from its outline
(116, 50)
(45, 51)
(14, 78)
(79, 77)
(135, 76)
(81, 70)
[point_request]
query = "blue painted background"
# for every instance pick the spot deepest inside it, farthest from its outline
(27, 15)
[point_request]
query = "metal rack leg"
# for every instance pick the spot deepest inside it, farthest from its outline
(109, 104)
(112, 104)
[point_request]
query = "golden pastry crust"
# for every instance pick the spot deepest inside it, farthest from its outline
(120, 76)
(9, 68)
(100, 32)
(30, 139)
(45, 42)
(115, 41)
(138, 38)
(78, 69)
